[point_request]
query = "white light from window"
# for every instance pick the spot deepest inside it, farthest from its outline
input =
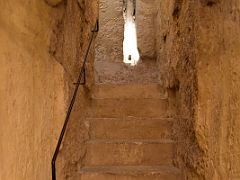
(130, 49)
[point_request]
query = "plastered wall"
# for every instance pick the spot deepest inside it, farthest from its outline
(32, 91)
(42, 44)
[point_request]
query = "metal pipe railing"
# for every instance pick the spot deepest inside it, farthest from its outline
(80, 76)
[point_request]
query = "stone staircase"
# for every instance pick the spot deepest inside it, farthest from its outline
(130, 128)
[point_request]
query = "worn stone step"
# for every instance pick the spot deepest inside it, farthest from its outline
(129, 152)
(126, 91)
(129, 107)
(130, 128)
(130, 173)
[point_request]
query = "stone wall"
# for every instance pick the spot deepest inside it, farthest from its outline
(218, 58)
(145, 17)
(69, 42)
(198, 51)
(42, 44)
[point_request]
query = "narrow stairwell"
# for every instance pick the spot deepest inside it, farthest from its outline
(130, 127)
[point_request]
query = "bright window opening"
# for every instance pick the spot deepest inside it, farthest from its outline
(130, 48)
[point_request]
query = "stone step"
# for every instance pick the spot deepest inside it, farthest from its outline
(130, 173)
(128, 91)
(130, 128)
(129, 152)
(128, 107)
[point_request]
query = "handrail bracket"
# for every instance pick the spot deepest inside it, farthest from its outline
(84, 78)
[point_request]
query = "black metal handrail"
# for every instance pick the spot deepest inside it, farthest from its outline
(80, 76)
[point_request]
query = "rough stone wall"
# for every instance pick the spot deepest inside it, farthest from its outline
(42, 44)
(218, 69)
(69, 44)
(198, 52)
(146, 12)
(71, 34)
(176, 59)
(110, 38)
